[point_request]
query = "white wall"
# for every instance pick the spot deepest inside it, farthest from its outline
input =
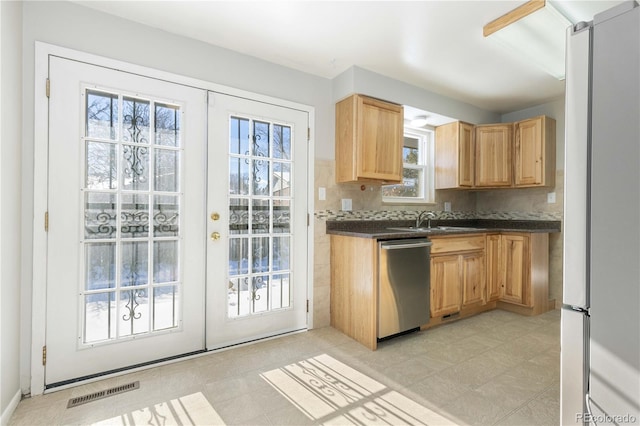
(10, 196)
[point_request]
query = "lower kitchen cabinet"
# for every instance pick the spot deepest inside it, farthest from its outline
(446, 288)
(457, 273)
(518, 272)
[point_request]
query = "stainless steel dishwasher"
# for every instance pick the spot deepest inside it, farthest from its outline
(403, 292)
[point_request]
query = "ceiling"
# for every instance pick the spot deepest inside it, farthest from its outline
(435, 45)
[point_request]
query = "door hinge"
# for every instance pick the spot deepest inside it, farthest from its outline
(308, 134)
(307, 305)
(308, 219)
(46, 221)
(48, 88)
(44, 355)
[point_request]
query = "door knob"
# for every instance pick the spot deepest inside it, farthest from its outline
(215, 236)
(215, 216)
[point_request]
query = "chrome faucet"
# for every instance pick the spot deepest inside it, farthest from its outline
(421, 217)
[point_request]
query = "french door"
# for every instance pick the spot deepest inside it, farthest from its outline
(126, 213)
(173, 227)
(257, 198)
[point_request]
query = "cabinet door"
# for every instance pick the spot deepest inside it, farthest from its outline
(445, 285)
(529, 152)
(467, 156)
(379, 140)
(454, 155)
(473, 278)
(535, 152)
(495, 268)
(493, 155)
(516, 285)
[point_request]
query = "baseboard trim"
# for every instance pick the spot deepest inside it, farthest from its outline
(8, 412)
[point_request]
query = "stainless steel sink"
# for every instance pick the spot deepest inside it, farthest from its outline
(434, 228)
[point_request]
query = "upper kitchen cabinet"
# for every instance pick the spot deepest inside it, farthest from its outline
(535, 152)
(369, 140)
(454, 153)
(493, 149)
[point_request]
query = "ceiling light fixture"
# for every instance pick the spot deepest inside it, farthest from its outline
(535, 31)
(419, 121)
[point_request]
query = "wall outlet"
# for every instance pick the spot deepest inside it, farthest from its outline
(322, 193)
(346, 204)
(551, 198)
(447, 206)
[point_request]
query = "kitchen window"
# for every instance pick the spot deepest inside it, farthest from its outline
(418, 178)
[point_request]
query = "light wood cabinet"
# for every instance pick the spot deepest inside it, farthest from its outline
(493, 155)
(354, 295)
(494, 266)
(457, 273)
(535, 152)
(369, 140)
(473, 278)
(446, 288)
(518, 272)
(516, 282)
(454, 155)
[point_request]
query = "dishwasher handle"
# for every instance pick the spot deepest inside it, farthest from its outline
(403, 244)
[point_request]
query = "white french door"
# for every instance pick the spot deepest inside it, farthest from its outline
(127, 227)
(257, 205)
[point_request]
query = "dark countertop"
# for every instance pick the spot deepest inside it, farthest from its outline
(379, 229)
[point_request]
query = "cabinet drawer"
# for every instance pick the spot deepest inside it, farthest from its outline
(457, 244)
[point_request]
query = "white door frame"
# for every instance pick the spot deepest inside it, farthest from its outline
(41, 173)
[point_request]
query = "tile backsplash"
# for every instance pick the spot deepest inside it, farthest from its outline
(411, 214)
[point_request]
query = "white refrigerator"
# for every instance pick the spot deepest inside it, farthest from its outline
(600, 325)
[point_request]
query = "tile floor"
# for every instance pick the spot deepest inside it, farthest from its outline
(494, 368)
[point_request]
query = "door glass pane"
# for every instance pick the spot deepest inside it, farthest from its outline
(134, 307)
(101, 166)
(261, 140)
(238, 176)
(100, 269)
(238, 216)
(281, 141)
(134, 216)
(165, 262)
(128, 183)
(166, 215)
(100, 214)
(281, 178)
(260, 216)
(260, 254)
(281, 216)
(238, 256)
(167, 171)
(167, 122)
(165, 307)
(135, 264)
(136, 167)
(260, 172)
(102, 115)
(239, 136)
(260, 184)
(135, 120)
(100, 317)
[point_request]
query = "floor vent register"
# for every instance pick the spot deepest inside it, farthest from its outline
(74, 402)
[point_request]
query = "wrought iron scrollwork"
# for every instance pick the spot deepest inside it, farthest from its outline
(135, 155)
(132, 305)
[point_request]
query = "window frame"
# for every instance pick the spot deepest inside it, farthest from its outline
(425, 137)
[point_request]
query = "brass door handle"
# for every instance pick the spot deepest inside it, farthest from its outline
(215, 216)
(215, 236)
